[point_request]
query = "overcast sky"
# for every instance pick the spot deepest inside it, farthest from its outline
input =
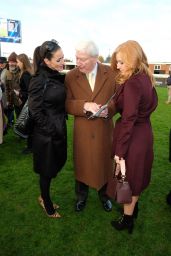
(107, 22)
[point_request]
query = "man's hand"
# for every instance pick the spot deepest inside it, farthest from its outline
(91, 107)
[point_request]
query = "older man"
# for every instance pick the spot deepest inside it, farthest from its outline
(11, 82)
(89, 86)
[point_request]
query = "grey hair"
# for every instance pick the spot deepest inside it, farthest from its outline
(88, 47)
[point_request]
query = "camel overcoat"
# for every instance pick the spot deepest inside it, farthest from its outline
(92, 139)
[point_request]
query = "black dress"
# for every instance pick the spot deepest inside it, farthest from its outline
(47, 107)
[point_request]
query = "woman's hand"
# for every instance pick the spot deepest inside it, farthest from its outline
(16, 92)
(120, 163)
(104, 113)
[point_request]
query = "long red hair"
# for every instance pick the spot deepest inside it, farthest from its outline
(135, 59)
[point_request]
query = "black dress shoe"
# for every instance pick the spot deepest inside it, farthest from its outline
(168, 198)
(27, 151)
(80, 205)
(107, 206)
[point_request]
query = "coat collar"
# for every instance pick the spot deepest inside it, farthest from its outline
(101, 77)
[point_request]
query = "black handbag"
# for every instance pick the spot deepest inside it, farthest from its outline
(23, 123)
(119, 189)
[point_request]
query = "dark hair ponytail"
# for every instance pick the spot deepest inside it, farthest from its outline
(37, 60)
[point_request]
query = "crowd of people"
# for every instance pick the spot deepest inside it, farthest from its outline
(15, 76)
(127, 85)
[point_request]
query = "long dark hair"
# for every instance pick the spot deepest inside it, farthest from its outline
(36, 59)
(23, 58)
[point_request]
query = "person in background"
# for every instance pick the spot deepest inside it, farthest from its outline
(169, 89)
(168, 197)
(47, 108)
(133, 137)
(11, 82)
(3, 69)
(25, 68)
(89, 86)
(3, 64)
(1, 119)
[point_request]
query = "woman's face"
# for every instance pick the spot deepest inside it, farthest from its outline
(57, 61)
(121, 66)
(20, 64)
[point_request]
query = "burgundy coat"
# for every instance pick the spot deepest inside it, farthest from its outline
(92, 138)
(133, 138)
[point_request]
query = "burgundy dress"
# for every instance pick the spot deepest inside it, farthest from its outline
(133, 137)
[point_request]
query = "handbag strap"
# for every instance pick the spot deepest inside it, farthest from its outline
(123, 169)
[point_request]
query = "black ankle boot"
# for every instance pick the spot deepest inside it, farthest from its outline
(168, 198)
(125, 222)
(135, 212)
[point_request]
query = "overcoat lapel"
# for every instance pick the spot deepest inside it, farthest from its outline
(82, 82)
(101, 77)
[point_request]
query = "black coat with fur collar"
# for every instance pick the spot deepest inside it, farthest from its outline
(47, 108)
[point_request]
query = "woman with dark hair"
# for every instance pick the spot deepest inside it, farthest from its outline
(47, 108)
(133, 136)
(36, 59)
(25, 76)
(25, 67)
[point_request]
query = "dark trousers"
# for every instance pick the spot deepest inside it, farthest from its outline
(45, 193)
(170, 146)
(9, 112)
(30, 141)
(81, 190)
(17, 110)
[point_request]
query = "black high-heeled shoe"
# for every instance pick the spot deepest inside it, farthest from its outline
(135, 212)
(125, 222)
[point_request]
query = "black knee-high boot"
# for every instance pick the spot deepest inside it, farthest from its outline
(135, 212)
(125, 222)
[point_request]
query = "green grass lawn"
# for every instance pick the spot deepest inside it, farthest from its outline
(25, 230)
